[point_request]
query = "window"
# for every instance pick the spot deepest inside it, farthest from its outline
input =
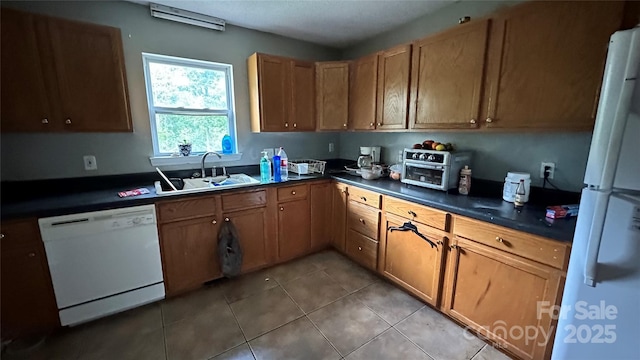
(189, 100)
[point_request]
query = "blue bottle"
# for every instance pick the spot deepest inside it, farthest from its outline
(227, 145)
(277, 175)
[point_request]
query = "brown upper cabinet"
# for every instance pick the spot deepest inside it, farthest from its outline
(363, 80)
(393, 88)
(446, 77)
(545, 63)
(332, 95)
(282, 93)
(61, 75)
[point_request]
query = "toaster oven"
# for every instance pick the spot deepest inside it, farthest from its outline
(433, 169)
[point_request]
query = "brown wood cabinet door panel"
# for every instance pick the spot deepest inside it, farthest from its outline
(362, 249)
(252, 233)
(186, 208)
(550, 252)
(394, 66)
(446, 75)
(483, 294)
(189, 253)
(25, 102)
(294, 237)
(91, 76)
(244, 200)
(320, 198)
(339, 216)
(273, 92)
(28, 302)
(332, 95)
(303, 96)
(363, 82)
(363, 219)
(289, 193)
(410, 261)
(549, 78)
(19, 233)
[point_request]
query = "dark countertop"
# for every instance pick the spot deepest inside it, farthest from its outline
(491, 209)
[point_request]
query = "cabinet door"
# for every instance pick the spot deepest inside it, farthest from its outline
(339, 216)
(189, 253)
(393, 88)
(362, 93)
(92, 84)
(546, 61)
(303, 98)
(252, 233)
(272, 94)
(25, 104)
(28, 305)
(481, 294)
(332, 95)
(293, 229)
(410, 261)
(320, 195)
(446, 75)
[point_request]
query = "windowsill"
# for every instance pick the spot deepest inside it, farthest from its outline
(192, 159)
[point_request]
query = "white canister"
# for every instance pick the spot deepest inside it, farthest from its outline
(511, 184)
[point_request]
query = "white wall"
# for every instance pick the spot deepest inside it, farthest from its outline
(42, 156)
(495, 153)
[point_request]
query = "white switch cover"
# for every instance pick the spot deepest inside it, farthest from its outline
(90, 162)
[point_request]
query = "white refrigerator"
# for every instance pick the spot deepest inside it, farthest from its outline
(600, 313)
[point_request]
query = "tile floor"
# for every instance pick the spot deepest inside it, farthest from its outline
(320, 307)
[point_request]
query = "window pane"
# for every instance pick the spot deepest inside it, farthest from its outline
(187, 87)
(205, 132)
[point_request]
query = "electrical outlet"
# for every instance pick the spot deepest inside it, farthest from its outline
(90, 162)
(331, 147)
(552, 169)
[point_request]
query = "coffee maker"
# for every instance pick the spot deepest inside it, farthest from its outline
(369, 155)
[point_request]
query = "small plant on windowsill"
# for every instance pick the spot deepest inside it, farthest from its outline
(185, 148)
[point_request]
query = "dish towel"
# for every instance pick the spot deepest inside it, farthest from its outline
(229, 250)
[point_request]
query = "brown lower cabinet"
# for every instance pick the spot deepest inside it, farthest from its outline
(27, 304)
(339, 215)
(498, 295)
(410, 261)
(320, 203)
(293, 229)
(253, 234)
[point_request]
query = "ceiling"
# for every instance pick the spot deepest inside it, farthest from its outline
(335, 23)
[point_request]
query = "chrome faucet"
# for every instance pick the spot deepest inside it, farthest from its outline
(202, 163)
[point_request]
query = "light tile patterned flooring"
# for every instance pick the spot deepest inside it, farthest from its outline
(320, 307)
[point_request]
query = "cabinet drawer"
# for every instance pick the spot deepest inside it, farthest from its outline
(185, 209)
(365, 197)
(419, 213)
(362, 249)
(289, 193)
(363, 219)
(19, 233)
(244, 200)
(529, 246)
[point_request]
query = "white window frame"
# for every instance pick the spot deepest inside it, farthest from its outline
(159, 158)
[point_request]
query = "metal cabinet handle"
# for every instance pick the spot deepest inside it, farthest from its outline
(371, 124)
(412, 213)
(281, 208)
(452, 247)
(489, 120)
(286, 125)
(32, 254)
(45, 121)
(293, 192)
(295, 125)
(68, 121)
(472, 121)
(226, 219)
(344, 125)
(440, 242)
(361, 220)
(359, 248)
(214, 221)
(344, 191)
(379, 124)
(363, 198)
(499, 239)
(1, 236)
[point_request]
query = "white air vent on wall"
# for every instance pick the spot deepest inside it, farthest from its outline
(186, 17)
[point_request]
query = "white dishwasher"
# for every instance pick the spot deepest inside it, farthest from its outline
(103, 262)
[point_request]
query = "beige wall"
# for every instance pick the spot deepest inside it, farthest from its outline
(41, 156)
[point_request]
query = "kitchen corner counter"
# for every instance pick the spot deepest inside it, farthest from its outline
(492, 210)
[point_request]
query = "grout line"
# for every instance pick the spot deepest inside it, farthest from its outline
(325, 337)
(371, 340)
(411, 341)
(164, 333)
(477, 352)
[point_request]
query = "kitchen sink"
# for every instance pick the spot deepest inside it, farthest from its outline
(209, 184)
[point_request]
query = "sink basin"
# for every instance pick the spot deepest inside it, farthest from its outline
(210, 184)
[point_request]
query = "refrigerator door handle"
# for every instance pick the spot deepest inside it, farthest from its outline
(593, 243)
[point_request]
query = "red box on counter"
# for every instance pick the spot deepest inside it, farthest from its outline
(562, 211)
